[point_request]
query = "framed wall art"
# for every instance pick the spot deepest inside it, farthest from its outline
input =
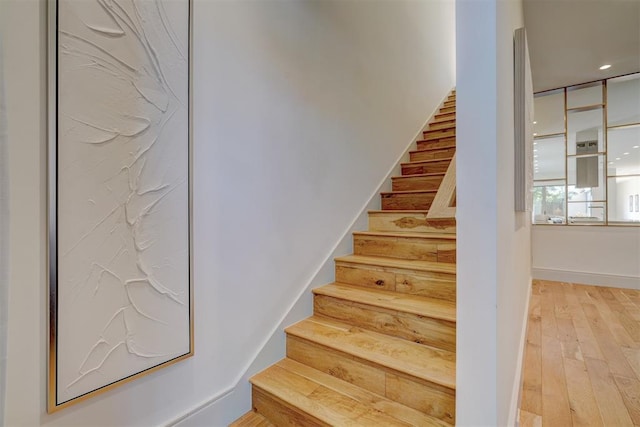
(119, 197)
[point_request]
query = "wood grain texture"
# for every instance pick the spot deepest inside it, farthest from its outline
(425, 166)
(402, 200)
(443, 205)
(444, 110)
(429, 181)
(586, 369)
(414, 318)
(424, 144)
(391, 354)
(437, 402)
(405, 246)
(432, 153)
(373, 401)
(409, 221)
(251, 419)
(444, 116)
(443, 124)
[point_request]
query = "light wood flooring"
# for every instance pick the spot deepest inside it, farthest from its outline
(582, 357)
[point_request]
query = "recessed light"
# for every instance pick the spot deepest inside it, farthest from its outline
(610, 163)
(626, 154)
(535, 134)
(636, 146)
(535, 143)
(605, 66)
(535, 151)
(617, 158)
(535, 123)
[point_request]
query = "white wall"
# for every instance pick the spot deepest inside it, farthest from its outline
(300, 109)
(494, 262)
(4, 229)
(608, 256)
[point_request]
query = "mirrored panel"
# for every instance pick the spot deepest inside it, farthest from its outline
(586, 178)
(549, 113)
(586, 213)
(624, 151)
(584, 95)
(549, 202)
(585, 132)
(549, 158)
(623, 100)
(624, 199)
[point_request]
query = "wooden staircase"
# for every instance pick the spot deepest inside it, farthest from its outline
(380, 347)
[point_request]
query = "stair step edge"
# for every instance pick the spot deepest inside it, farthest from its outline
(379, 405)
(433, 365)
(395, 263)
(406, 303)
(427, 149)
(418, 175)
(407, 192)
(405, 235)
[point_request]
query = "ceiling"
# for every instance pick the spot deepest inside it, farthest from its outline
(570, 39)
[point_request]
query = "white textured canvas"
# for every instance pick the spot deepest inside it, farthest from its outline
(123, 302)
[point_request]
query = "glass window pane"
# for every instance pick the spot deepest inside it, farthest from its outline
(584, 131)
(585, 95)
(586, 213)
(586, 178)
(548, 158)
(624, 151)
(549, 113)
(549, 203)
(624, 199)
(623, 100)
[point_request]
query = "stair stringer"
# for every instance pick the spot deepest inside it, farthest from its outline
(273, 348)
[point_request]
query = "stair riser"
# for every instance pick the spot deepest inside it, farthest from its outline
(439, 401)
(450, 103)
(430, 135)
(444, 153)
(405, 248)
(420, 201)
(448, 109)
(409, 222)
(416, 183)
(279, 413)
(430, 284)
(438, 143)
(423, 330)
(421, 168)
(446, 124)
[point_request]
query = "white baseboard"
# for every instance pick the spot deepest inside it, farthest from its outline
(610, 280)
(517, 381)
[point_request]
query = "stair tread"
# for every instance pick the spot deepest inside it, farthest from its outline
(444, 147)
(418, 175)
(408, 191)
(434, 131)
(408, 211)
(252, 419)
(417, 360)
(405, 235)
(333, 401)
(416, 265)
(420, 162)
(407, 303)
